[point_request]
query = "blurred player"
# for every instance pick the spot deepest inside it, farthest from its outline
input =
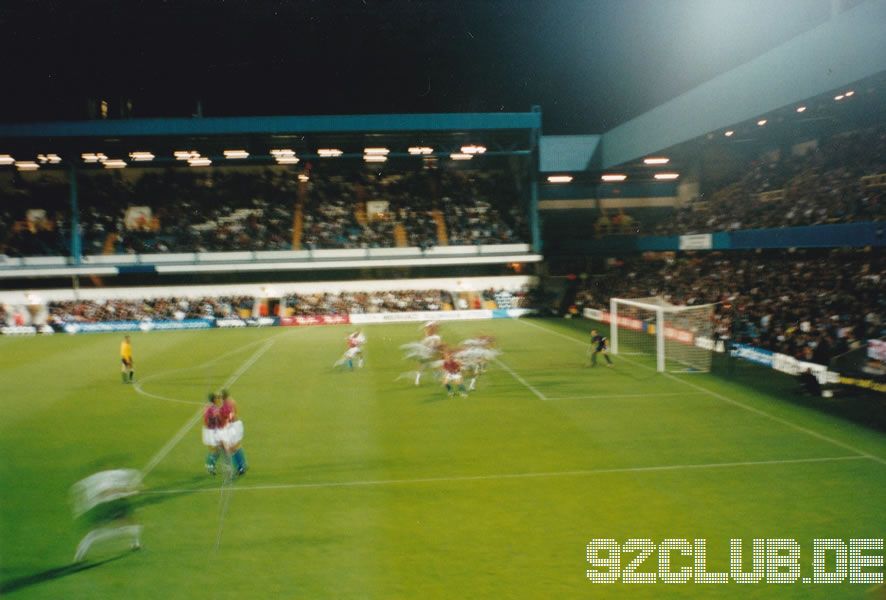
(425, 351)
(211, 431)
(452, 377)
(232, 432)
(599, 344)
(354, 351)
(126, 369)
(475, 354)
(102, 503)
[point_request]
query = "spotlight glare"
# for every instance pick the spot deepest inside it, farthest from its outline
(667, 176)
(614, 177)
(656, 160)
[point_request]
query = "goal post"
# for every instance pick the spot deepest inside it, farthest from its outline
(679, 337)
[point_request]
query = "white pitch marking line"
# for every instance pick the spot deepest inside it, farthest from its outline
(167, 448)
(516, 376)
(139, 389)
(728, 400)
(500, 476)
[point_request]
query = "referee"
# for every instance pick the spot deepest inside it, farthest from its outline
(126, 371)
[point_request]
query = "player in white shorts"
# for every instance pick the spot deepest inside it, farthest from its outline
(354, 351)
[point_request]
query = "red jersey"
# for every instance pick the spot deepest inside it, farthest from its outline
(228, 411)
(451, 366)
(212, 417)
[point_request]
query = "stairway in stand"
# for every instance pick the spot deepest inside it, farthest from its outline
(401, 240)
(442, 234)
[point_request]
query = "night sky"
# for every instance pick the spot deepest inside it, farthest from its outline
(590, 64)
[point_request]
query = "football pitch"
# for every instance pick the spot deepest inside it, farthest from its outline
(362, 485)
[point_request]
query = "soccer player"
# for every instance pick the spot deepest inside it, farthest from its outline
(232, 432)
(428, 349)
(126, 370)
(211, 430)
(599, 344)
(475, 354)
(354, 343)
(452, 377)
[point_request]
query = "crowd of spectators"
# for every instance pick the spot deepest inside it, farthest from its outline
(365, 209)
(217, 210)
(819, 185)
(209, 307)
(367, 302)
(155, 309)
(812, 305)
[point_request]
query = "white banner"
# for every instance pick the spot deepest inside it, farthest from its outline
(699, 241)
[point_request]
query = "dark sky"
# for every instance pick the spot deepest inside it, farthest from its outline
(590, 64)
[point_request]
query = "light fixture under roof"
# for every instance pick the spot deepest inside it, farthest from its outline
(461, 156)
(93, 157)
(6, 159)
(26, 165)
(656, 160)
(114, 163)
(376, 158)
(667, 176)
(52, 159)
(839, 97)
(287, 160)
(849, 94)
(236, 154)
(729, 133)
(762, 122)
(420, 150)
(278, 152)
(559, 178)
(303, 177)
(473, 149)
(801, 109)
(186, 154)
(376, 151)
(141, 156)
(329, 152)
(200, 161)
(614, 177)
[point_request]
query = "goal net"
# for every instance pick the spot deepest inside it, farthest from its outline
(678, 337)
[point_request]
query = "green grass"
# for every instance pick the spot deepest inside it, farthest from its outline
(366, 487)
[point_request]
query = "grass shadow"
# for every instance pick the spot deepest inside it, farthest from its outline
(26, 581)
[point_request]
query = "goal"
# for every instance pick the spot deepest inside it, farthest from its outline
(679, 337)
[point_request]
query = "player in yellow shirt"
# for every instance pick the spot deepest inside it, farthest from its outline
(126, 369)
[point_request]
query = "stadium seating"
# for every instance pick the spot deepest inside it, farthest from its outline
(221, 307)
(232, 210)
(811, 305)
(831, 183)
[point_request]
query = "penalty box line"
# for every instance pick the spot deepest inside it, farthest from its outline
(731, 401)
(506, 476)
(181, 433)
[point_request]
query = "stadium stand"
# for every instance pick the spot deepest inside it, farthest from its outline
(230, 210)
(325, 304)
(829, 183)
(812, 305)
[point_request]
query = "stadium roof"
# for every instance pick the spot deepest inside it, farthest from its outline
(496, 134)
